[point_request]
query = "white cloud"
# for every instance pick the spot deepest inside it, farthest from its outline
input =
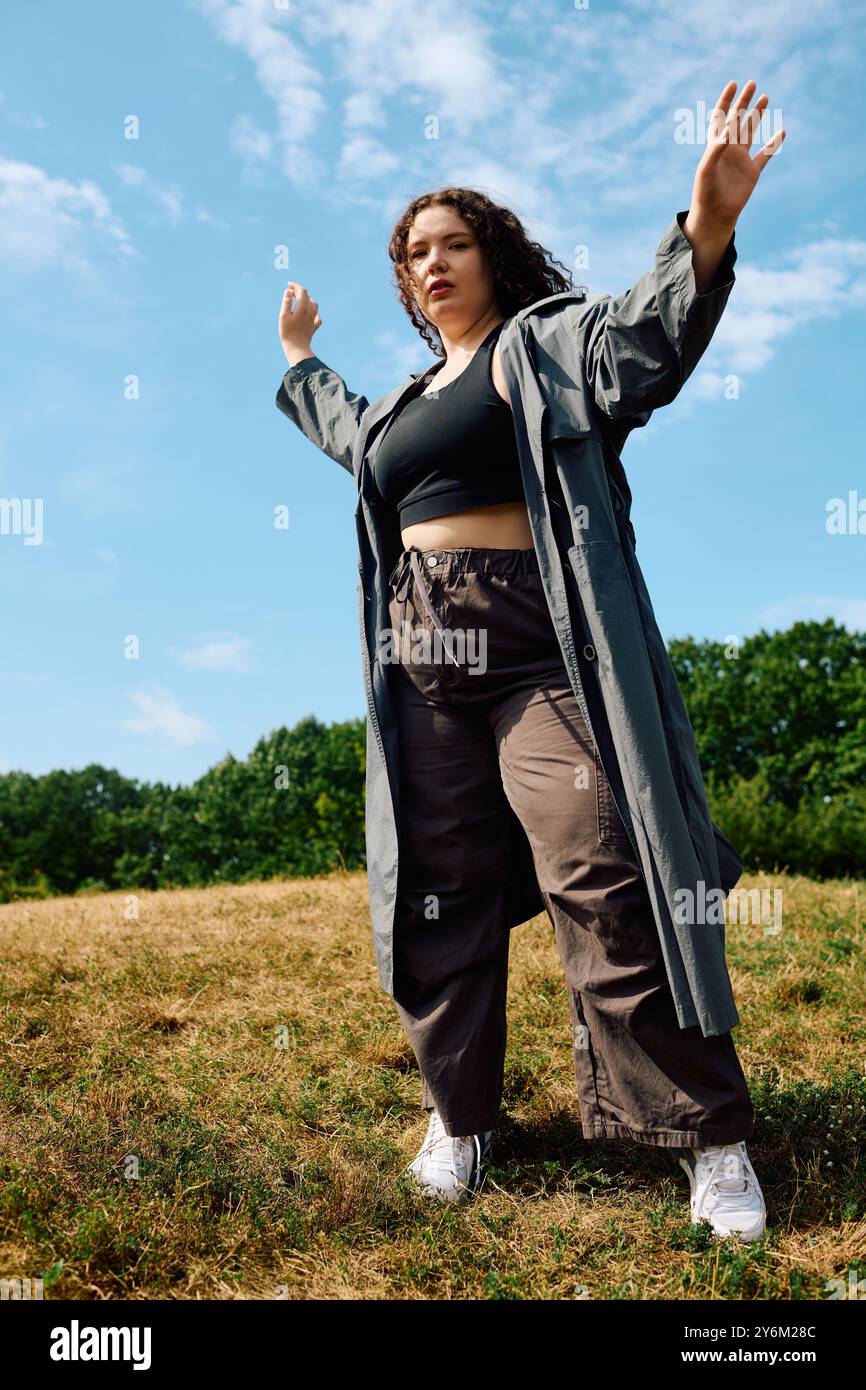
(505, 85)
(506, 78)
(170, 200)
(287, 76)
(364, 158)
(46, 221)
(219, 652)
(160, 715)
(248, 139)
(825, 279)
(28, 120)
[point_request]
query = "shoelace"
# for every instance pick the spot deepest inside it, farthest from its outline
(724, 1189)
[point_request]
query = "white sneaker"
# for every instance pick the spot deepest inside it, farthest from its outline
(447, 1167)
(725, 1190)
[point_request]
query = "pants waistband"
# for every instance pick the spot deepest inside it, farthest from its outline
(461, 559)
(452, 560)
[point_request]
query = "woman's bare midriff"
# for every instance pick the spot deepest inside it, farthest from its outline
(500, 526)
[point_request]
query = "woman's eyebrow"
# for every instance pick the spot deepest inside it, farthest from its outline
(419, 241)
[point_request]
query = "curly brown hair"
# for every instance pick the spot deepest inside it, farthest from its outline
(523, 271)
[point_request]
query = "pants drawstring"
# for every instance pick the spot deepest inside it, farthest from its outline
(409, 569)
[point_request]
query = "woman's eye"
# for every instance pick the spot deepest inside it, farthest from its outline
(455, 245)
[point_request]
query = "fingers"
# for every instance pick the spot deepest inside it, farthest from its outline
(736, 118)
(725, 96)
(736, 127)
(298, 291)
(719, 114)
(766, 154)
(750, 126)
(745, 95)
(720, 117)
(294, 289)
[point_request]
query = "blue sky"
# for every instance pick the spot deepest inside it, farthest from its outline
(152, 260)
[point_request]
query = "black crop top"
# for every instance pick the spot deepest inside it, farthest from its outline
(453, 450)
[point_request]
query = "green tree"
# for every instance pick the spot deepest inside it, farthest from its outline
(792, 704)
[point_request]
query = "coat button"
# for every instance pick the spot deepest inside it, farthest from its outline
(432, 559)
(589, 651)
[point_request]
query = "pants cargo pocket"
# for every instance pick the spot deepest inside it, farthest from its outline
(611, 830)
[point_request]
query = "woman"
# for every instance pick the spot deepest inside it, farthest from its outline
(489, 721)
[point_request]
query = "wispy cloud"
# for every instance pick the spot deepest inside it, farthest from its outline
(822, 279)
(511, 108)
(250, 141)
(27, 120)
(52, 221)
(218, 652)
(286, 74)
(160, 716)
(169, 200)
(506, 120)
(819, 279)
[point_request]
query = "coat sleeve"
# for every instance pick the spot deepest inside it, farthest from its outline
(639, 348)
(318, 401)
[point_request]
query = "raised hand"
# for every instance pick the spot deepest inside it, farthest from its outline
(727, 173)
(297, 326)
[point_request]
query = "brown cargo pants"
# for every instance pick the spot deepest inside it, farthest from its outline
(486, 712)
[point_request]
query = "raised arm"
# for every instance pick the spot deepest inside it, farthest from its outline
(312, 394)
(640, 347)
(319, 402)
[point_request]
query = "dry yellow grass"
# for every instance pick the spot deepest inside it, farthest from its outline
(215, 1100)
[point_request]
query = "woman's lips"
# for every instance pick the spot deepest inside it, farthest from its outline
(441, 289)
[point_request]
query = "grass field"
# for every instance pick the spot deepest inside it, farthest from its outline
(215, 1101)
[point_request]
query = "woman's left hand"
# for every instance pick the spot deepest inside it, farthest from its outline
(727, 173)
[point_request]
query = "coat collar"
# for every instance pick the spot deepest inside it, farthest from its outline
(561, 297)
(519, 316)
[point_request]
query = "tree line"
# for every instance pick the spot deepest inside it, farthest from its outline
(780, 724)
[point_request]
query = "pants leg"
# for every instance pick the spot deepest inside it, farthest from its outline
(451, 930)
(639, 1075)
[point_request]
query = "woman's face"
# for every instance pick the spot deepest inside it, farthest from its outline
(441, 245)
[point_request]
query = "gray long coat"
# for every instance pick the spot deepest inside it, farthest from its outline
(582, 370)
